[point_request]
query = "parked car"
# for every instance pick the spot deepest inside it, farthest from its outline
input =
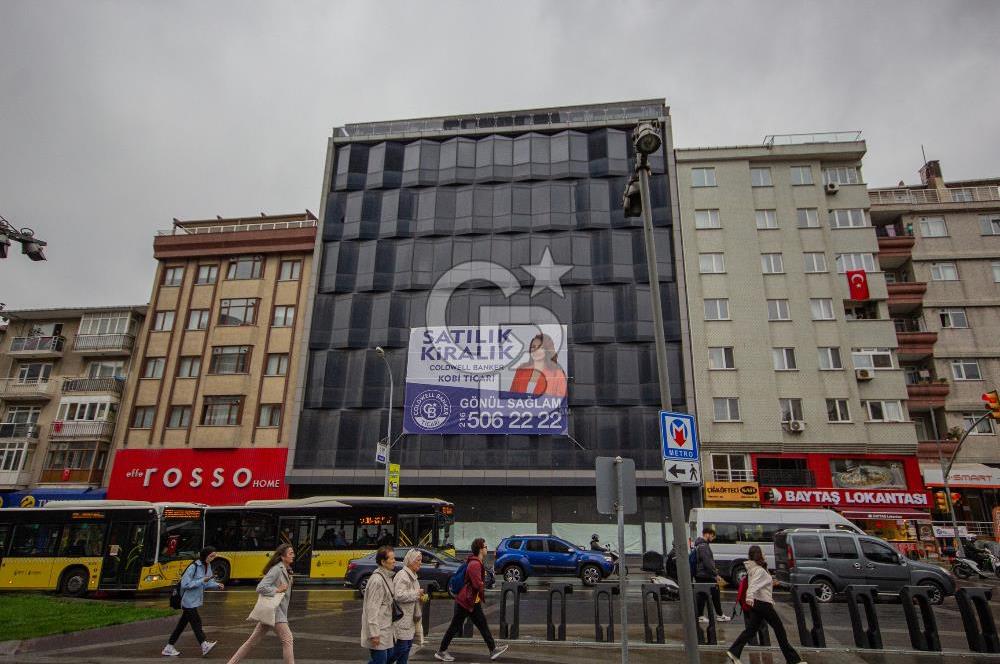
(835, 560)
(437, 568)
(522, 556)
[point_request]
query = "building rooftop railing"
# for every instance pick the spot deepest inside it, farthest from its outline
(933, 196)
(239, 228)
(851, 136)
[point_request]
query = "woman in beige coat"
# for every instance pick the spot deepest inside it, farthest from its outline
(376, 616)
(409, 595)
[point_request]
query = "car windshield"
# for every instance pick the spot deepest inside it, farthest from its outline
(446, 557)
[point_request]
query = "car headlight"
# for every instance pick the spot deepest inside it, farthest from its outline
(152, 578)
(608, 559)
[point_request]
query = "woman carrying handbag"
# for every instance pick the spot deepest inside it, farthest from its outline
(408, 593)
(380, 609)
(271, 610)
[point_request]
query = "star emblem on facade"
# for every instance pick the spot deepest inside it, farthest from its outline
(546, 274)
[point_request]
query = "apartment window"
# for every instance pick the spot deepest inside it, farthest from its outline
(34, 372)
(207, 274)
(989, 225)
(872, 358)
(837, 410)
(290, 270)
(807, 217)
(238, 311)
(284, 316)
(87, 409)
(717, 309)
(984, 428)
(731, 468)
(198, 319)
(996, 271)
(707, 219)
(791, 409)
(760, 177)
(727, 409)
(270, 415)
(245, 267)
(112, 322)
(802, 175)
(153, 367)
(814, 262)
(954, 318)
(163, 321)
(173, 276)
(180, 417)
(822, 308)
(784, 359)
(711, 263)
(142, 417)
(966, 370)
(944, 272)
(842, 175)
(848, 218)
(766, 219)
(189, 367)
(847, 262)
(829, 358)
(222, 411)
(702, 177)
(230, 360)
(277, 364)
(721, 357)
(933, 227)
(778, 310)
(962, 195)
(104, 369)
(884, 411)
(772, 264)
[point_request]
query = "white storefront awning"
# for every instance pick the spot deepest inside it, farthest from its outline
(963, 476)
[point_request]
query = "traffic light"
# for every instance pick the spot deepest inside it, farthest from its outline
(992, 402)
(940, 502)
(955, 497)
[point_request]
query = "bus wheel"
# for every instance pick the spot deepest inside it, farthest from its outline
(220, 569)
(74, 582)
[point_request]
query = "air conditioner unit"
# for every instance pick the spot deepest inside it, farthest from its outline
(794, 426)
(832, 187)
(864, 374)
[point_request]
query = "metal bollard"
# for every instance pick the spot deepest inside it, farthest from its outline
(762, 637)
(425, 608)
(977, 619)
(805, 595)
(604, 634)
(654, 590)
(552, 633)
(922, 626)
(512, 629)
(707, 636)
(866, 596)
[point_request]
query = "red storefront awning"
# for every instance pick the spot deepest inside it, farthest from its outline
(889, 515)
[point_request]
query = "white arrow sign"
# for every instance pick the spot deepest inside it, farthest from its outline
(682, 472)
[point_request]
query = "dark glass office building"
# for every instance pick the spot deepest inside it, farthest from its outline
(406, 201)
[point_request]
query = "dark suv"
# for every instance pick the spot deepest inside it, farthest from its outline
(835, 560)
(522, 556)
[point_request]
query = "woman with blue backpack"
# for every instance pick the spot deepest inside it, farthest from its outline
(469, 603)
(196, 579)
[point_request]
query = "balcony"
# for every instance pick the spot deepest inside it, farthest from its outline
(893, 252)
(22, 347)
(103, 345)
(19, 430)
(71, 476)
(785, 477)
(928, 395)
(112, 385)
(928, 449)
(732, 476)
(13, 389)
(906, 296)
(81, 430)
(934, 196)
(915, 346)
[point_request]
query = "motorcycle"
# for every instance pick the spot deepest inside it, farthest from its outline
(965, 568)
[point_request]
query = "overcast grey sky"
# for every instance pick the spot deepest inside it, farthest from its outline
(117, 116)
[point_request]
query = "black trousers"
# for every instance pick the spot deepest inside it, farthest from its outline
(716, 596)
(188, 617)
(478, 619)
(764, 612)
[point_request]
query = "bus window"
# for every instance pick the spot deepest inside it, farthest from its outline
(180, 540)
(376, 530)
(725, 533)
(257, 532)
(82, 539)
(334, 533)
(222, 530)
(416, 530)
(4, 538)
(445, 538)
(35, 539)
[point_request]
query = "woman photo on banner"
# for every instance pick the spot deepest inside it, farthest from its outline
(541, 375)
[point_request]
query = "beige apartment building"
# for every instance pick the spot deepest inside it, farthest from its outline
(216, 361)
(63, 373)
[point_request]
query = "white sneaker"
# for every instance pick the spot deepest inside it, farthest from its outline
(722, 617)
(170, 651)
(733, 658)
(444, 656)
(499, 650)
(703, 619)
(207, 646)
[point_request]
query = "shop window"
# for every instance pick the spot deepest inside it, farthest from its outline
(867, 474)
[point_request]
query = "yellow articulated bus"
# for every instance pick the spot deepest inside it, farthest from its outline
(76, 547)
(327, 532)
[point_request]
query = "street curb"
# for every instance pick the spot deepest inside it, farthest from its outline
(110, 633)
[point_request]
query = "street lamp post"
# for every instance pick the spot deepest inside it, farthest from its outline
(388, 437)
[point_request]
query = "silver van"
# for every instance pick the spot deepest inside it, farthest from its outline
(835, 560)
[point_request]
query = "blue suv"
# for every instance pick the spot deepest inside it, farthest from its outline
(522, 556)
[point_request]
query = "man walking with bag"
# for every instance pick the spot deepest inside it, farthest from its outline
(380, 609)
(469, 604)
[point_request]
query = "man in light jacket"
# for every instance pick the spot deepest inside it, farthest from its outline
(408, 593)
(376, 617)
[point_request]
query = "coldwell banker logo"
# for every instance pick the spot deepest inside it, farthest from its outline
(431, 409)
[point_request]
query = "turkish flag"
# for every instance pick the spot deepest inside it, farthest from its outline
(857, 281)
